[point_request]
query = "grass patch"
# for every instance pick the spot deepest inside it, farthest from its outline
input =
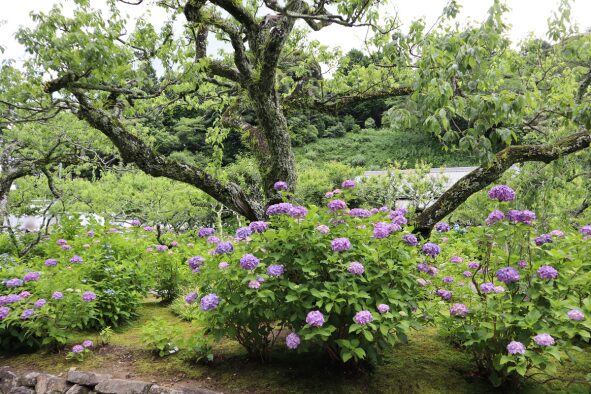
(375, 149)
(427, 364)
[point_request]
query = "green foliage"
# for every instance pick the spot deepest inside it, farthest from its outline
(160, 337)
(198, 350)
(315, 278)
(517, 310)
(380, 148)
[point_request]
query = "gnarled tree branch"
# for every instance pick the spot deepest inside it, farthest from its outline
(484, 176)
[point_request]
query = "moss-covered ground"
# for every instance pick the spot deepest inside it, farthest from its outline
(427, 364)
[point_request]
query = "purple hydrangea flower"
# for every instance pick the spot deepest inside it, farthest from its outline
(444, 294)
(258, 227)
(254, 284)
(487, 287)
(458, 310)
(195, 262)
(544, 340)
(14, 282)
(136, 222)
(410, 240)
(525, 216)
(359, 213)
(340, 244)
(292, 341)
(205, 232)
(27, 313)
(557, 233)
(456, 259)
(431, 249)
(87, 343)
(32, 276)
(323, 229)
(382, 230)
(275, 270)
(467, 274)
(24, 294)
(161, 248)
(90, 233)
(77, 348)
(422, 282)
(149, 229)
(499, 289)
(4, 312)
(575, 314)
(399, 220)
(543, 239)
(57, 295)
(76, 259)
(315, 318)
(89, 296)
(191, 297)
(278, 209)
(66, 247)
(515, 347)
(473, 265)
(363, 317)
(508, 275)
(348, 184)
(383, 308)
(522, 264)
(209, 302)
(212, 239)
(337, 205)
(40, 303)
(50, 262)
(547, 272)
(280, 185)
(243, 232)
(442, 227)
(223, 265)
(249, 261)
(356, 268)
(586, 230)
(225, 247)
(61, 242)
(9, 299)
(501, 193)
(494, 216)
(448, 279)
(328, 195)
(298, 212)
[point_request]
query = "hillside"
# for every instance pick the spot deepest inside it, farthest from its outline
(375, 149)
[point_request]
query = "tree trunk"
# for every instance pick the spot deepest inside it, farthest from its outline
(277, 162)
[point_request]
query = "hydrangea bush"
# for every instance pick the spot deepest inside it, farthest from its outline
(81, 280)
(515, 303)
(319, 278)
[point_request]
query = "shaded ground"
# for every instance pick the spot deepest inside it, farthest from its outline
(426, 365)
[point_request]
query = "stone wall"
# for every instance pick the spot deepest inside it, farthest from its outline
(78, 382)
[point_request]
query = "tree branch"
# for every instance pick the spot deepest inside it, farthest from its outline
(484, 176)
(134, 150)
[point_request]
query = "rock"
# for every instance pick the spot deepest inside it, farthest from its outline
(78, 389)
(120, 386)
(22, 390)
(29, 379)
(86, 378)
(8, 380)
(49, 384)
(155, 389)
(197, 390)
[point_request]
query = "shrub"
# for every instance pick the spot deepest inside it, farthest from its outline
(335, 131)
(370, 123)
(516, 302)
(349, 122)
(161, 337)
(290, 279)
